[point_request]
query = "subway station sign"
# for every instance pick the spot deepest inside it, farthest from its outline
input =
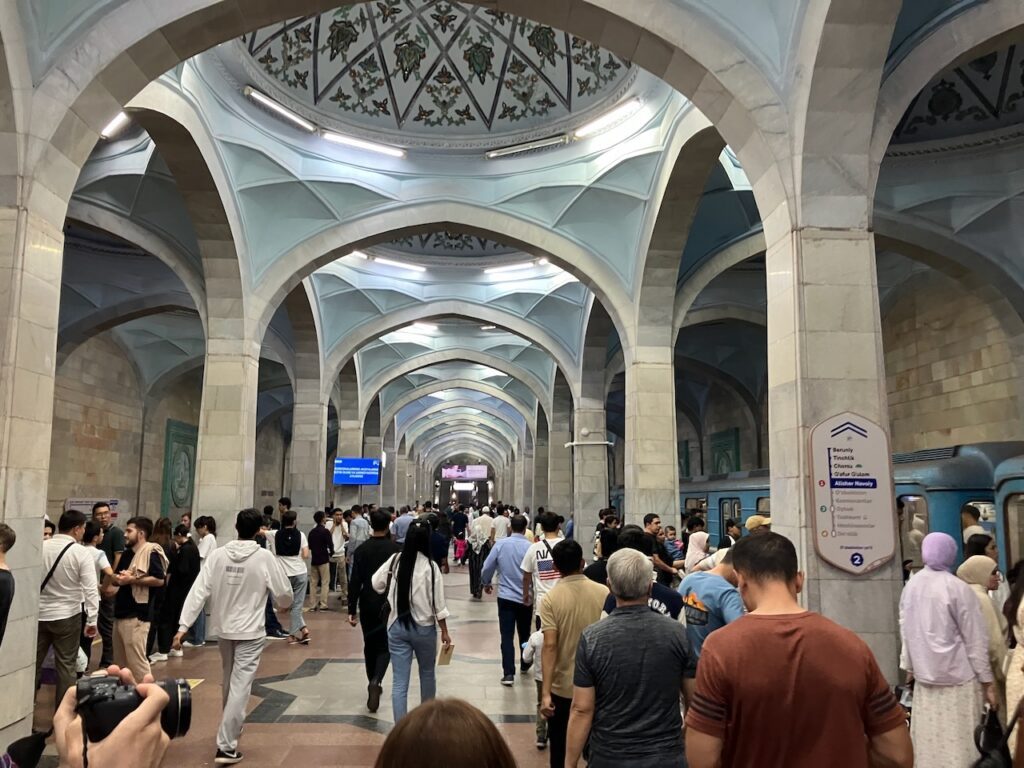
(851, 473)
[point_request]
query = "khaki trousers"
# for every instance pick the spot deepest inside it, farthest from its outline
(63, 635)
(130, 636)
(320, 578)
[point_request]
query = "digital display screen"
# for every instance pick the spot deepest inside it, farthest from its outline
(464, 472)
(356, 471)
(463, 486)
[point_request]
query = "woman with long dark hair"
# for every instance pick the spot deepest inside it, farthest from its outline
(1013, 610)
(414, 588)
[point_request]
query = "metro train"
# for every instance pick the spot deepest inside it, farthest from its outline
(932, 485)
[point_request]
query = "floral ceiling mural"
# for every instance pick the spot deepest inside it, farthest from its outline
(434, 67)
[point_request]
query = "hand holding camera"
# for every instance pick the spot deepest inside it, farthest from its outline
(121, 718)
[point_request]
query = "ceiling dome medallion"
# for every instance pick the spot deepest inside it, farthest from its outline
(436, 72)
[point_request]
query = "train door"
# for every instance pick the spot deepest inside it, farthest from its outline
(912, 514)
(1013, 528)
(728, 508)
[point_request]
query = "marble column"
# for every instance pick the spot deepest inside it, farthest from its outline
(372, 494)
(388, 480)
(401, 479)
(350, 444)
(590, 467)
(31, 251)
(559, 457)
(540, 465)
(651, 469)
(824, 357)
(308, 449)
(518, 493)
(226, 448)
(528, 470)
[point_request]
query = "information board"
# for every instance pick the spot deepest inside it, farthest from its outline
(356, 471)
(851, 472)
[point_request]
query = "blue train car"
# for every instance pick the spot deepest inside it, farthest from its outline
(735, 495)
(1009, 487)
(932, 485)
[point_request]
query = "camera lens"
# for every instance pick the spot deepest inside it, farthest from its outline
(177, 715)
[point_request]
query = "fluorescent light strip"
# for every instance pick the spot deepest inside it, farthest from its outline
(115, 126)
(528, 146)
(424, 327)
(488, 327)
(400, 265)
(369, 146)
(608, 119)
(280, 109)
(360, 255)
(510, 268)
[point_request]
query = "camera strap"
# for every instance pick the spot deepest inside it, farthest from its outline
(54, 567)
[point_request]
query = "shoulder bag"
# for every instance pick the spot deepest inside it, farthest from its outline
(53, 567)
(992, 742)
(385, 608)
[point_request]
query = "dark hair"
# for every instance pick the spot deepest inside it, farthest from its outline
(206, 522)
(288, 518)
(768, 557)
(518, 524)
(143, 524)
(319, 516)
(8, 537)
(1013, 601)
(162, 532)
(50, 525)
(248, 523)
(650, 517)
(100, 505)
(380, 520)
(549, 522)
(976, 544)
(727, 557)
(731, 522)
(567, 556)
(285, 501)
(70, 520)
(417, 541)
(609, 539)
(268, 510)
(428, 734)
(694, 523)
(181, 530)
(973, 511)
(634, 537)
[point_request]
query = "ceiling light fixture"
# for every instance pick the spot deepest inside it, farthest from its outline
(115, 126)
(263, 100)
(399, 265)
(424, 326)
(510, 268)
(608, 119)
(360, 255)
(515, 149)
(488, 327)
(369, 146)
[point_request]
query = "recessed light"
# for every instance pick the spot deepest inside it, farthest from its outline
(264, 100)
(369, 146)
(115, 126)
(608, 119)
(399, 265)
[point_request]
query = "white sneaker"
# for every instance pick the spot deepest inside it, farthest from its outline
(189, 644)
(157, 658)
(175, 654)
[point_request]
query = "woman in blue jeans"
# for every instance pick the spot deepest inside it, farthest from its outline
(415, 590)
(292, 550)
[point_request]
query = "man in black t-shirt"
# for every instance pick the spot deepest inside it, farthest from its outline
(144, 570)
(370, 556)
(7, 538)
(663, 600)
(113, 547)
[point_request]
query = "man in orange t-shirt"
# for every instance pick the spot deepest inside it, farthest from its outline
(817, 697)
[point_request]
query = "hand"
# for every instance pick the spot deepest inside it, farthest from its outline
(139, 734)
(489, 589)
(90, 631)
(352, 620)
(990, 695)
(446, 639)
(176, 642)
(124, 578)
(527, 598)
(910, 678)
(547, 707)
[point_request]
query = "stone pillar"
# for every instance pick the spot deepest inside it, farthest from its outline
(540, 465)
(559, 457)
(825, 356)
(401, 481)
(590, 467)
(372, 494)
(31, 252)
(651, 471)
(528, 470)
(518, 493)
(308, 449)
(226, 449)
(350, 443)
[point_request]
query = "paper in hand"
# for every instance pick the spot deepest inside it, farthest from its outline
(445, 657)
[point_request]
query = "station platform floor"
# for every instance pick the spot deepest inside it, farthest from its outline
(309, 703)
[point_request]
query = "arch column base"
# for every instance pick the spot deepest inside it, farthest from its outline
(651, 466)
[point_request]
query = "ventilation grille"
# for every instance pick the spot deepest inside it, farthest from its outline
(931, 454)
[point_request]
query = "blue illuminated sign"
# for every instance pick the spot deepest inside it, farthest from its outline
(356, 471)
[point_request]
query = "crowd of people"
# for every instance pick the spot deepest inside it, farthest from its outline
(612, 645)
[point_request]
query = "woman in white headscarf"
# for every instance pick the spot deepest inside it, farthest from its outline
(696, 550)
(981, 574)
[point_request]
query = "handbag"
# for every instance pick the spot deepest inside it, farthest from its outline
(385, 607)
(992, 742)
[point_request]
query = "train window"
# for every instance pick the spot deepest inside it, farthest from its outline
(764, 506)
(1014, 526)
(988, 513)
(728, 508)
(914, 526)
(696, 504)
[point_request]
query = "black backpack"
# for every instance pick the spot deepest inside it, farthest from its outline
(288, 542)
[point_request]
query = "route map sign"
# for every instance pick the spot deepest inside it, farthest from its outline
(851, 472)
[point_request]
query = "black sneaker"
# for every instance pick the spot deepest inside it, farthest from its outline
(277, 634)
(525, 666)
(227, 758)
(508, 680)
(373, 692)
(542, 743)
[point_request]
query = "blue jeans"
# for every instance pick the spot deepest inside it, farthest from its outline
(299, 584)
(199, 628)
(403, 643)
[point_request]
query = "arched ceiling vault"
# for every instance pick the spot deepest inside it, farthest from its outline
(427, 429)
(392, 410)
(440, 431)
(520, 428)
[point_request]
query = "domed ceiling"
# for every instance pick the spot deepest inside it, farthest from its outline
(435, 69)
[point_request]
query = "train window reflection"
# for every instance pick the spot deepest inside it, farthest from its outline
(912, 512)
(764, 506)
(1014, 522)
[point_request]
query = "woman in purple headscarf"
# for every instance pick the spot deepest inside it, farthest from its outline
(945, 653)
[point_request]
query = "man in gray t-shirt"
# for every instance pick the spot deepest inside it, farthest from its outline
(629, 675)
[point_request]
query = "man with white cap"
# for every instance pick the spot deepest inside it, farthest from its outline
(758, 524)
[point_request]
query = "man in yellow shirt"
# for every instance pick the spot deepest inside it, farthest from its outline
(571, 606)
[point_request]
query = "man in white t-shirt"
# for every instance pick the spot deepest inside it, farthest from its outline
(338, 526)
(481, 537)
(539, 572)
(206, 530)
(502, 524)
(292, 550)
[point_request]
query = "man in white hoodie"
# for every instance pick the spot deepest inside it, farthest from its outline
(235, 580)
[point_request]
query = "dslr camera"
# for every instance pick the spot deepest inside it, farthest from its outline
(103, 702)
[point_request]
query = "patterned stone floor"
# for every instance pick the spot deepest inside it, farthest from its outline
(309, 705)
